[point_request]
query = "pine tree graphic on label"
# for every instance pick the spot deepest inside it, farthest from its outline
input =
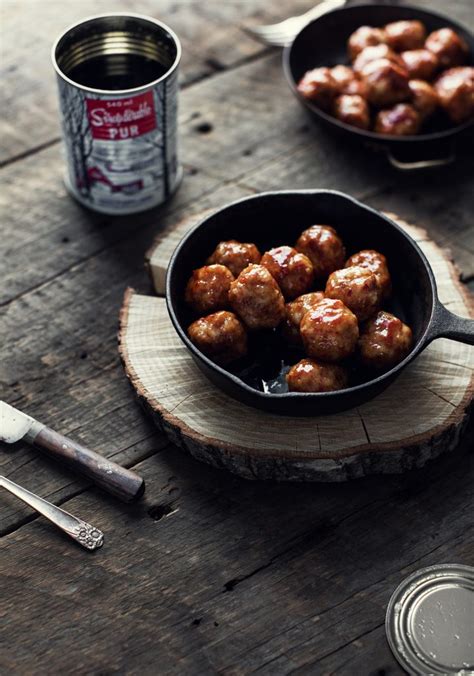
(76, 132)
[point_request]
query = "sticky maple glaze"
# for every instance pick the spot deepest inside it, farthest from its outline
(384, 341)
(309, 375)
(329, 331)
(208, 288)
(220, 335)
(324, 248)
(357, 287)
(295, 312)
(292, 270)
(257, 299)
(235, 255)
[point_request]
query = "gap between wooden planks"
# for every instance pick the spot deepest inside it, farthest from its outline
(418, 417)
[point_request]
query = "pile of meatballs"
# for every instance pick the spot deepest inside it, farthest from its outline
(240, 291)
(398, 79)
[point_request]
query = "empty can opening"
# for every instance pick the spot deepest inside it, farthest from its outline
(116, 52)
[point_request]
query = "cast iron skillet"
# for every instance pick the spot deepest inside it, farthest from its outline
(323, 42)
(275, 218)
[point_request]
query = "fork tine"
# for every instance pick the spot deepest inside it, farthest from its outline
(279, 38)
(273, 33)
(280, 34)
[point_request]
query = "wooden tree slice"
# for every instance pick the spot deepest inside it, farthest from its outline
(419, 416)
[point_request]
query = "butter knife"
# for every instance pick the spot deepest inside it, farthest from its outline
(120, 482)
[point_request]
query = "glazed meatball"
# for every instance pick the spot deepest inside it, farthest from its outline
(208, 288)
(292, 271)
(344, 77)
(401, 120)
(450, 49)
(319, 86)
(357, 288)
(421, 64)
(220, 336)
(353, 110)
(324, 248)
(386, 82)
(235, 255)
(424, 98)
(372, 54)
(329, 331)
(358, 87)
(455, 89)
(384, 341)
(403, 35)
(363, 37)
(376, 263)
(257, 299)
(310, 376)
(294, 314)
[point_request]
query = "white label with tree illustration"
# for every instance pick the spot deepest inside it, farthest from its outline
(121, 150)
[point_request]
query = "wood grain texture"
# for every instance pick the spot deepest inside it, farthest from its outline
(210, 573)
(388, 434)
(212, 40)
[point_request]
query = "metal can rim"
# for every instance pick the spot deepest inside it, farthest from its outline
(117, 92)
(401, 596)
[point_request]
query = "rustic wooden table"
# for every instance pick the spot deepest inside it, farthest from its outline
(209, 573)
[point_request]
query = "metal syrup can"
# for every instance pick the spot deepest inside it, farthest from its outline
(118, 93)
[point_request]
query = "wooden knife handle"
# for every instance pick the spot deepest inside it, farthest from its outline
(121, 482)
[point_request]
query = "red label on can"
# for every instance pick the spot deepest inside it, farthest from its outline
(121, 119)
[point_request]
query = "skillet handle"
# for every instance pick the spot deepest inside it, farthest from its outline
(403, 165)
(448, 325)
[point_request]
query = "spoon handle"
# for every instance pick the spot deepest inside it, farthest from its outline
(86, 535)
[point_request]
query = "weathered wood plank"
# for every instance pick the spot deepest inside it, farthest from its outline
(40, 218)
(211, 36)
(60, 364)
(226, 582)
(270, 146)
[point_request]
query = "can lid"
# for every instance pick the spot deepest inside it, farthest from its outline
(430, 621)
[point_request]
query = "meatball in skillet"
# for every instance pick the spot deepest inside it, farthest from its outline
(235, 255)
(372, 54)
(376, 263)
(208, 289)
(221, 336)
(319, 86)
(403, 35)
(295, 310)
(324, 248)
(292, 270)
(329, 331)
(421, 64)
(424, 98)
(386, 82)
(352, 109)
(357, 288)
(257, 299)
(365, 36)
(384, 341)
(309, 375)
(401, 120)
(449, 47)
(455, 89)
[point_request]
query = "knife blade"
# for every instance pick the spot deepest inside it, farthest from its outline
(117, 480)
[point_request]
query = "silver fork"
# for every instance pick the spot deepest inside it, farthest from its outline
(86, 535)
(283, 33)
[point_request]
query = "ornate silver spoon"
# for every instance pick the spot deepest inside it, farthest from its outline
(86, 535)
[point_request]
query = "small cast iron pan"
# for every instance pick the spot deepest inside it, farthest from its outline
(275, 218)
(323, 42)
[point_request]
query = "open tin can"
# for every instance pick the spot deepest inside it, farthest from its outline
(118, 93)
